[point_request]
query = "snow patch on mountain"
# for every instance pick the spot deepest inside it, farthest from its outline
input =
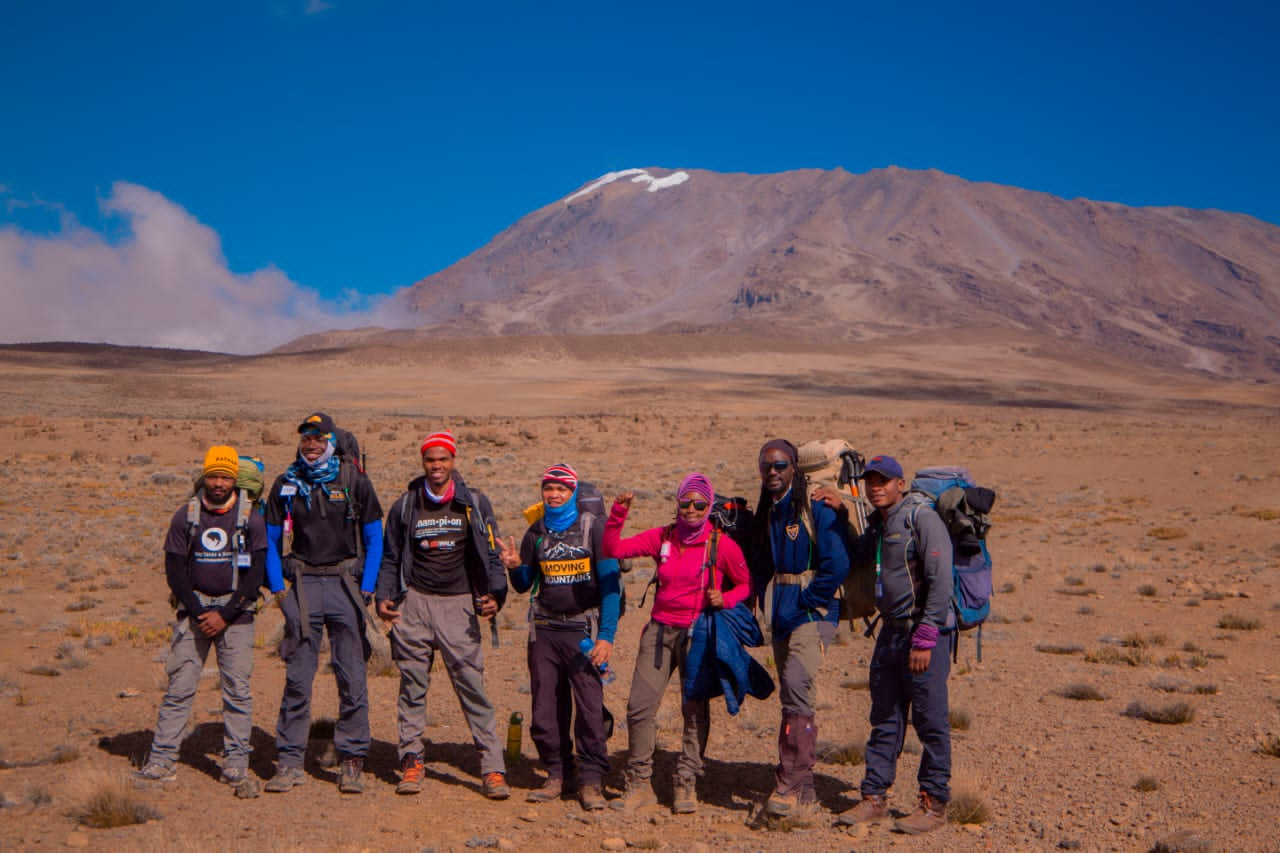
(638, 176)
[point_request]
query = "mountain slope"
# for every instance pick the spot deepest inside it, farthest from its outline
(863, 256)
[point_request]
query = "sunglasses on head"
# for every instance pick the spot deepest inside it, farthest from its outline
(780, 465)
(698, 505)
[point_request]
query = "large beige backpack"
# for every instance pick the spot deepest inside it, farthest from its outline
(834, 463)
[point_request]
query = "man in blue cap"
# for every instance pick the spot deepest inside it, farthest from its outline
(911, 550)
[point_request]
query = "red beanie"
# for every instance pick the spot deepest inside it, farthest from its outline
(444, 439)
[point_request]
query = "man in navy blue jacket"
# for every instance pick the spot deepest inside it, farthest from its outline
(799, 561)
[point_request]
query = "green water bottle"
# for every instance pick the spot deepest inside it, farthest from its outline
(513, 737)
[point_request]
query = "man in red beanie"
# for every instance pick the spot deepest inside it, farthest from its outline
(440, 573)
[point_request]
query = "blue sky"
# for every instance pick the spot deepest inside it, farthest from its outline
(359, 145)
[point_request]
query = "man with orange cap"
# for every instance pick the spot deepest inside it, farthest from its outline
(215, 552)
(440, 573)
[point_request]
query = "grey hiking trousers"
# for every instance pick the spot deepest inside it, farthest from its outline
(188, 651)
(447, 624)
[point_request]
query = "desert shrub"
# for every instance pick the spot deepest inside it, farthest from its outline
(44, 669)
(1270, 746)
(1146, 784)
(959, 719)
(1081, 692)
(1197, 661)
(1008, 588)
(1099, 568)
(1168, 685)
(1166, 533)
(1205, 690)
(1076, 590)
(1174, 714)
(1059, 649)
(1084, 610)
(967, 805)
(1146, 590)
(1071, 580)
(1110, 654)
(1139, 641)
(1235, 622)
(1183, 842)
(64, 754)
(112, 801)
(850, 754)
(1192, 602)
(1214, 595)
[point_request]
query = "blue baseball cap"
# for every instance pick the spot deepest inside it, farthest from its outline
(885, 466)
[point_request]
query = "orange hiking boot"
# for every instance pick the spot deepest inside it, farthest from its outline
(411, 772)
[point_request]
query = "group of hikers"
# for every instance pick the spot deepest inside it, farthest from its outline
(438, 567)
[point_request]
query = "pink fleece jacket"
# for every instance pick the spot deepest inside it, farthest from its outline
(681, 584)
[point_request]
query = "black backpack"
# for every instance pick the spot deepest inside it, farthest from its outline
(348, 447)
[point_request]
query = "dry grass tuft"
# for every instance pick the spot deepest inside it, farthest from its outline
(112, 801)
(959, 719)
(1167, 533)
(1171, 715)
(1110, 654)
(1147, 590)
(1081, 692)
(1146, 784)
(1270, 746)
(849, 754)
(968, 806)
(1055, 649)
(1236, 622)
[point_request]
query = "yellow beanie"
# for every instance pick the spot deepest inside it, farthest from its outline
(222, 460)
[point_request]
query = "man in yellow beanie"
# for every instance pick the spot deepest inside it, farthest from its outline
(215, 555)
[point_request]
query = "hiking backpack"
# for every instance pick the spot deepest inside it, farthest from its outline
(964, 508)
(834, 463)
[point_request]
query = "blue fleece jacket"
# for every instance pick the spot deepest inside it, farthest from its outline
(794, 552)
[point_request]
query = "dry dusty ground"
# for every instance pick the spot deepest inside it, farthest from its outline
(1136, 545)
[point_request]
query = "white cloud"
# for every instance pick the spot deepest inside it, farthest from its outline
(164, 283)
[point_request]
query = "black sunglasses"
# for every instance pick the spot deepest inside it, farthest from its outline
(698, 505)
(780, 465)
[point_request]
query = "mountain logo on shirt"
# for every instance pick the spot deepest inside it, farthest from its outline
(214, 539)
(564, 551)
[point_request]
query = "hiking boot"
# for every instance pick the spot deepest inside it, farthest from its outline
(411, 773)
(286, 779)
(548, 793)
(156, 771)
(592, 798)
(685, 800)
(233, 775)
(351, 776)
(495, 786)
(637, 795)
(871, 808)
(780, 805)
(931, 815)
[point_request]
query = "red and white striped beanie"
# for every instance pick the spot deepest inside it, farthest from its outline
(562, 474)
(444, 439)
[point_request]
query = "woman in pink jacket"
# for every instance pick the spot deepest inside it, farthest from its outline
(686, 586)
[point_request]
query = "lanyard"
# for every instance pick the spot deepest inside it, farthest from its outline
(879, 583)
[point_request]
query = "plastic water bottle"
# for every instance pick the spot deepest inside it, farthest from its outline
(585, 645)
(514, 734)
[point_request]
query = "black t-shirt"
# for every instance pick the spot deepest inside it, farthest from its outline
(566, 562)
(439, 543)
(209, 552)
(325, 533)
